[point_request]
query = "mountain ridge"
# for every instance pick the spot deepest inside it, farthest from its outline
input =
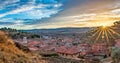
(60, 30)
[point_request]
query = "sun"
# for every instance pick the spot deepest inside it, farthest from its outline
(104, 26)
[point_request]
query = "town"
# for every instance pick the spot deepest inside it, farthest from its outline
(74, 46)
(59, 31)
(66, 47)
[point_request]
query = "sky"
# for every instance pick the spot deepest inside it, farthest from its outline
(40, 14)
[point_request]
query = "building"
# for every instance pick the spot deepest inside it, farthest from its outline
(84, 49)
(117, 43)
(34, 46)
(25, 40)
(71, 52)
(99, 49)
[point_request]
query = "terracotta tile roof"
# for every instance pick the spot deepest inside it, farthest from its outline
(33, 43)
(84, 49)
(117, 42)
(84, 45)
(99, 48)
(44, 47)
(83, 53)
(61, 49)
(33, 48)
(72, 50)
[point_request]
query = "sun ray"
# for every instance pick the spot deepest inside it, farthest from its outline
(103, 35)
(98, 36)
(111, 34)
(95, 33)
(114, 32)
(107, 38)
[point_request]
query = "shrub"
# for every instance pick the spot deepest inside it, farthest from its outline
(115, 54)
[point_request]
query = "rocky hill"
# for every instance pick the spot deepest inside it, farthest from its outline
(9, 53)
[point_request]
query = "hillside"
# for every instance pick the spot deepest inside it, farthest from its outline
(18, 34)
(9, 53)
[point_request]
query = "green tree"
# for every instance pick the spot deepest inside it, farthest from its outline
(115, 54)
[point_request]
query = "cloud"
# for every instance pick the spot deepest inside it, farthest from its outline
(27, 12)
(30, 9)
(90, 13)
(46, 13)
(4, 3)
(115, 11)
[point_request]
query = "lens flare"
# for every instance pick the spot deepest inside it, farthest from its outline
(104, 33)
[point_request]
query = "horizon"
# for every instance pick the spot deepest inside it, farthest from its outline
(53, 14)
(50, 28)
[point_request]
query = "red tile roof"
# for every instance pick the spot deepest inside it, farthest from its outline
(33, 48)
(117, 42)
(99, 48)
(72, 50)
(84, 45)
(33, 43)
(61, 49)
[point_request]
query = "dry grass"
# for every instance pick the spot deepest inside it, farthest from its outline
(9, 53)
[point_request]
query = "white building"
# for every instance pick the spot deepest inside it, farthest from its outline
(25, 40)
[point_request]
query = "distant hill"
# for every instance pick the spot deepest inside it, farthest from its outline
(16, 34)
(59, 30)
